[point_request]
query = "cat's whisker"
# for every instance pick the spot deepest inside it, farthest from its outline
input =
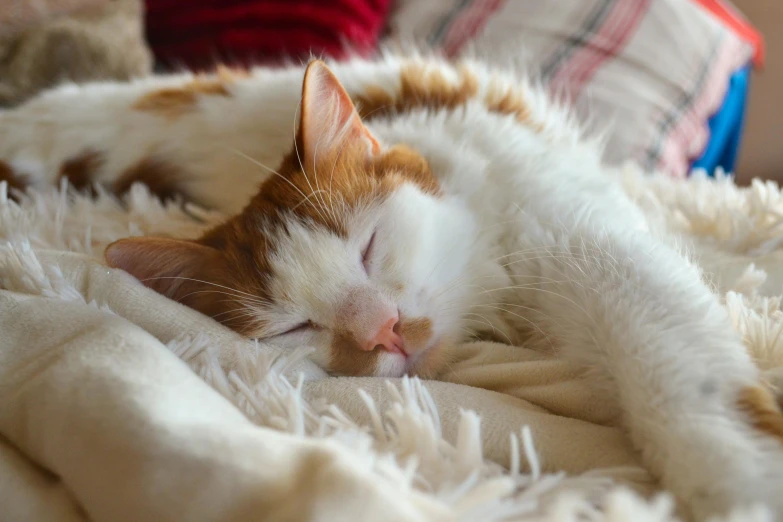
(454, 372)
(562, 254)
(486, 321)
(299, 160)
(238, 310)
(234, 296)
(322, 208)
(529, 321)
(248, 309)
(250, 320)
(513, 305)
(519, 252)
(568, 299)
(305, 200)
(378, 108)
(265, 167)
(295, 126)
(452, 285)
(541, 279)
(546, 248)
(533, 285)
(565, 257)
(572, 260)
(242, 311)
(331, 175)
(199, 281)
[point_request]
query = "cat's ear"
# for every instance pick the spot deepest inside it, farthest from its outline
(178, 269)
(328, 119)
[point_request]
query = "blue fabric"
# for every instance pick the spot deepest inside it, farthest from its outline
(726, 126)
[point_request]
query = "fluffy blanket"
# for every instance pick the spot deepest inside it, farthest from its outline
(117, 404)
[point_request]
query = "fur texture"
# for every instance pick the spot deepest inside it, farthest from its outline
(473, 206)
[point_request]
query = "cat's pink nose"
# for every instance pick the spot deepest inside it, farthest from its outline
(387, 337)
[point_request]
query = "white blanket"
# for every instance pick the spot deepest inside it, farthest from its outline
(103, 418)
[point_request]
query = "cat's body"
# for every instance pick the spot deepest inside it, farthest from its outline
(463, 205)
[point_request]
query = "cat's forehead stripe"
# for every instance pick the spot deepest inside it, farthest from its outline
(336, 184)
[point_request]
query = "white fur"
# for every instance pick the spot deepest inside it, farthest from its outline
(532, 236)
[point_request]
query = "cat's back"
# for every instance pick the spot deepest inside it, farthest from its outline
(184, 127)
(493, 138)
(216, 136)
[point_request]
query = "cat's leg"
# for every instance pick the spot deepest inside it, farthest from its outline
(637, 312)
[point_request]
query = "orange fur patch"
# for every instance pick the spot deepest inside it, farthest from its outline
(173, 102)
(340, 180)
(510, 102)
(429, 88)
(162, 178)
(420, 87)
(347, 359)
(417, 331)
(231, 74)
(80, 171)
(760, 405)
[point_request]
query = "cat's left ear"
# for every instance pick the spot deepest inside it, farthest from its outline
(329, 121)
(181, 270)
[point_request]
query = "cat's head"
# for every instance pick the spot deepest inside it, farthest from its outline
(352, 249)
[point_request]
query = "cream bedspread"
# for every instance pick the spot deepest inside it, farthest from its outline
(117, 404)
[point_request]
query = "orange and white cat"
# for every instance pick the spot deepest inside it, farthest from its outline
(387, 209)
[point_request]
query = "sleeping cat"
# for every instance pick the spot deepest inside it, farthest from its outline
(409, 204)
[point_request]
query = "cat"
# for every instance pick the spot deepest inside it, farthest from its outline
(412, 204)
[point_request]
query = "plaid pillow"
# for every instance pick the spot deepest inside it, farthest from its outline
(648, 72)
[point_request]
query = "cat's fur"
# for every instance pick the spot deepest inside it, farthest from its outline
(491, 216)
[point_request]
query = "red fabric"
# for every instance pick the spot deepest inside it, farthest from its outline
(200, 33)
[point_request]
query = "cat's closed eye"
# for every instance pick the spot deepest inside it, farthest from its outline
(299, 328)
(367, 253)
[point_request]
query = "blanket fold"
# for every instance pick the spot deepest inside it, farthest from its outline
(136, 435)
(103, 405)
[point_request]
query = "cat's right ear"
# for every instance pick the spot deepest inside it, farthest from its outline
(181, 270)
(329, 120)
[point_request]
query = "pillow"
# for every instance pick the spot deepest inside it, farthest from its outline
(648, 72)
(197, 34)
